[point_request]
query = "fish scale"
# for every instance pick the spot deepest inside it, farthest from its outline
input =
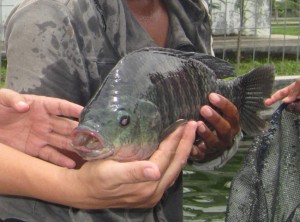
(179, 96)
(148, 90)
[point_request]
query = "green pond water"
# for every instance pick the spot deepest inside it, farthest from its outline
(206, 193)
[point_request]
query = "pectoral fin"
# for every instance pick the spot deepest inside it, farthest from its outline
(170, 129)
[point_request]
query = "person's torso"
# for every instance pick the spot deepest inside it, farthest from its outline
(106, 31)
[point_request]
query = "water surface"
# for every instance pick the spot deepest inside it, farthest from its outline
(206, 193)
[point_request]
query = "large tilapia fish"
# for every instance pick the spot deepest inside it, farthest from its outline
(150, 89)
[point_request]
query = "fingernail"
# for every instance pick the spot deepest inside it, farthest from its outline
(266, 102)
(206, 111)
(22, 105)
(201, 128)
(213, 97)
(287, 100)
(151, 174)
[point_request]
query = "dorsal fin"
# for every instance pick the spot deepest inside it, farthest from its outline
(221, 68)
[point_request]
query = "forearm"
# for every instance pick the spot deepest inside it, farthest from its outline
(24, 175)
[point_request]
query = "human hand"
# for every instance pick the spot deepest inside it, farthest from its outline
(138, 184)
(32, 124)
(226, 126)
(288, 94)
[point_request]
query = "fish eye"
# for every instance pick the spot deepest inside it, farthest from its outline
(123, 118)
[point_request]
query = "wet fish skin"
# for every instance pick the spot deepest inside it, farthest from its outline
(148, 90)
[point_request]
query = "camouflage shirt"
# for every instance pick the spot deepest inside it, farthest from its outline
(65, 49)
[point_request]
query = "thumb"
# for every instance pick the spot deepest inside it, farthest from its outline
(134, 172)
(12, 99)
(293, 95)
(141, 171)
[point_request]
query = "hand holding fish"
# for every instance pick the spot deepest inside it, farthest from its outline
(32, 124)
(226, 127)
(139, 184)
(288, 94)
(95, 185)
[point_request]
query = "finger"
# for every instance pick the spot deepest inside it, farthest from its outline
(199, 149)
(167, 149)
(61, 129)
(69, 109)
(59, 141)
(209, 138)
(62, 126)
(205, 133)
(228, 109)
(182, 154)
(128, 172)
(58, 107)
(218, 122)
(198, 152)
(279, 95)
(51, 155)
(10, 98)
(294, 94)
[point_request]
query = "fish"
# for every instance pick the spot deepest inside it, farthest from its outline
(149, 90)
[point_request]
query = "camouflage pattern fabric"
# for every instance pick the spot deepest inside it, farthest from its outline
(65, 49)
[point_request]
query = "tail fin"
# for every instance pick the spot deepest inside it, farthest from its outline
(255, 86)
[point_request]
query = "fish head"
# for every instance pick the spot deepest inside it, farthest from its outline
(125, 130)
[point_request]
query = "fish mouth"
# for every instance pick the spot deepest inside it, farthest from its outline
(90, 145)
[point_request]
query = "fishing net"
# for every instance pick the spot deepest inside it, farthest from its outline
(267, 187)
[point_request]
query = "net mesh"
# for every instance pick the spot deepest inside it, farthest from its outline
(267, 187)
